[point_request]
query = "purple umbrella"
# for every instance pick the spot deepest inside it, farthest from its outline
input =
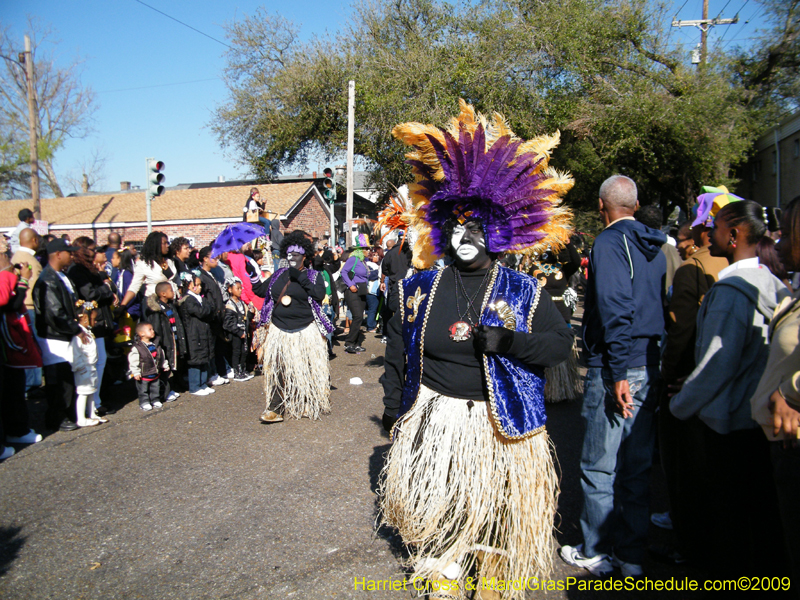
(233, 237)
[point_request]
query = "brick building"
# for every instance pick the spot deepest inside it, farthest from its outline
(195, 211)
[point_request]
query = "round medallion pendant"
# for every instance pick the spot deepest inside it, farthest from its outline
(460, 331)
(286, 300)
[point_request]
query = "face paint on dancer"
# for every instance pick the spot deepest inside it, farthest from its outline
(468, 246)
(295, 255)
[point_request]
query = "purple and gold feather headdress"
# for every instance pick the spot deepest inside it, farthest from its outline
(480, 169)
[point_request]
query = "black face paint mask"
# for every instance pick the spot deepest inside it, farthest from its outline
(296, 258)
(467, 247)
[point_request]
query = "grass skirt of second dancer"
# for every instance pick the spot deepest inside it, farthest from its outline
(296, 373)
(459, 492)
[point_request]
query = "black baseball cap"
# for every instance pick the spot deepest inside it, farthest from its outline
(59, 245)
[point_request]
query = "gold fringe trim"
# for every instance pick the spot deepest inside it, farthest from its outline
(296, 365)
(563, 382)
(458, 492)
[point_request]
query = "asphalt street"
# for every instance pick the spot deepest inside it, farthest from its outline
(199, 499)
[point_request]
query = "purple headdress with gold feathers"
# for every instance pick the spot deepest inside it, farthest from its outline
(475, 169)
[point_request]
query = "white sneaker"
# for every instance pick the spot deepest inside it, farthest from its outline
(217, 381)
(157, 404)
(173, 396)
(599, 566)
(146, 407)
(7, 452)
(29, 438)
(627, 569)
(210, 390)
(662, 520)
(230, 374)
(204, 391)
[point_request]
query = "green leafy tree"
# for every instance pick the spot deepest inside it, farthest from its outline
(606, 74)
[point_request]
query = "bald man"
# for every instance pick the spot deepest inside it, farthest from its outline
(114, 245)
(29, 242)
(623, 321)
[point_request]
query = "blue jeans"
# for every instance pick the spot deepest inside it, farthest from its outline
(615, 465)
(372, 311)
(276, 260)
(198, 375)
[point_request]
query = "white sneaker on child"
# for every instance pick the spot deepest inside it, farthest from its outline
(157, 404)
(147, 406)
(173, 396)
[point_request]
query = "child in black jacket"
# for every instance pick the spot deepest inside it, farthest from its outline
(236, 324)
(197, 315)
(162, 313)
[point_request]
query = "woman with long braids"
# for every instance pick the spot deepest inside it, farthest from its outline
(731, 352)
(153, 267)
(469, 481)
(295, 354)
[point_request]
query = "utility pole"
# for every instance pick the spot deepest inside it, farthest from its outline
(704, 25)
(351, 113)
(37, 209)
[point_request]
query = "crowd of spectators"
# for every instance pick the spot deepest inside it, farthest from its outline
(696, 340)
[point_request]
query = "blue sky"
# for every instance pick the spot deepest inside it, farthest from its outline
(127, 47)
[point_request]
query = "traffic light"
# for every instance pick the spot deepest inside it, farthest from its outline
(155, 177)
(329, 185)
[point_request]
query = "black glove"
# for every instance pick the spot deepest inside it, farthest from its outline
(388, 422)
(494, 340)
(294, 273)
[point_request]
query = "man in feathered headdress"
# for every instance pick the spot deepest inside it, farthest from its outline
(469, 481)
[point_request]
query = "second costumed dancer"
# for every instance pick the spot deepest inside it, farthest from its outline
(292, 332)
(469, 481)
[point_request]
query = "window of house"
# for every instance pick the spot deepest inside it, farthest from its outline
(797, 147)
(774, 162)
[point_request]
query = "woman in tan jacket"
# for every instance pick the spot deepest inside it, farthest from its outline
(776, 402)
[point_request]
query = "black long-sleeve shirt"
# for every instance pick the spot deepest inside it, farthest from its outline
(456, 368)
(298, 314)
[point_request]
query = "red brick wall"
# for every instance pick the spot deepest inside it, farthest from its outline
(310, 217)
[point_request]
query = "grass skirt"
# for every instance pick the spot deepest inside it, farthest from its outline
(563, 382)
(296, 366)
(459, 492)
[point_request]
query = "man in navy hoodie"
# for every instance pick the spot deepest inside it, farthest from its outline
(623, 322)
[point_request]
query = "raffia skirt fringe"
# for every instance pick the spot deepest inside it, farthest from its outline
(459, 492)
(296, 366)
(563, 382)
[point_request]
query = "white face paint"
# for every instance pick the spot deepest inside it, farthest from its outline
(465, 252)
(293, 263)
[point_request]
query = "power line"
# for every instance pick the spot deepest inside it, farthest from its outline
(184, 24)
(723, 10)
(746, 23)
(730, 28)
(147, 87)
(681, 8)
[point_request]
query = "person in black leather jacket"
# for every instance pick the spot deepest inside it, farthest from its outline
(92, 284)
(56, 324)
